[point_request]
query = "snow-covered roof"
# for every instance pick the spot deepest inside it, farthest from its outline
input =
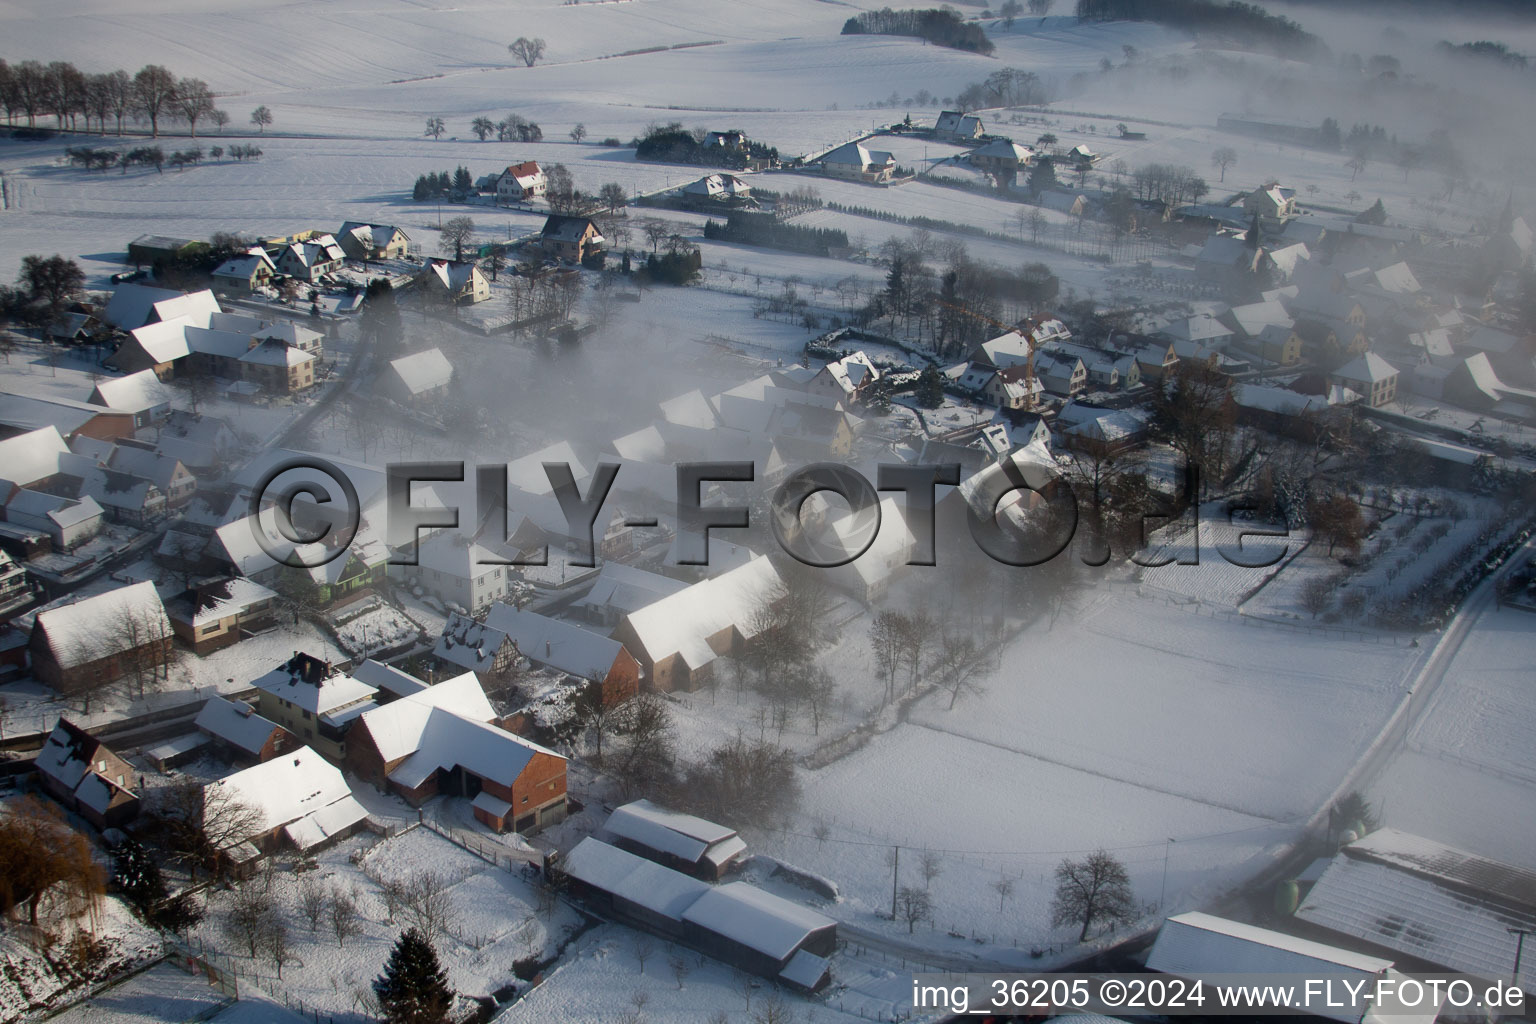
(134, 305)
(399, 728)
(68, 755)
(1004, 149)
(854, 154)
(682, 623)
(560, 645)
(450, 740)
(310, 684)
(275, 352)
(683, 836)
(957, 121)
(1255, 316)
(208, 341)
(568, 229)
(633, 879)
(1194, 943)
(525, 174)
(85, 631)
(1367, 369)
(386, 677)
(422, 371)
(33, 456)
(1287, 258)
(241, 268)
(755, 918)
(1109, 425)
(1426, 900)
(223, 598)
(625, 588)
(806, 969)
(300, 786)
(65, 512)
(35, 412)
(236, 723)
(372, 236)
(713, 186)
(453, 275)
(1286, 401)
(134, 393)
(1202, 327)
(852, 372)
(690, 409)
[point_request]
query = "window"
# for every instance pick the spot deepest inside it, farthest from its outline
(306, 715)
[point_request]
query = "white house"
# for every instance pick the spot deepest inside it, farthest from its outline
(419, 376)
(853, 162)
(521, 181)
(241, 275)
(459, 280)
(459, 572)
(955, 126)
(372, 241)
(847, 379)
(312, 259)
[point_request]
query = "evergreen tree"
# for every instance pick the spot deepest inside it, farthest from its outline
(930, 389)
(463, 184)
(379, 324)
(414, 986)
(136, 875)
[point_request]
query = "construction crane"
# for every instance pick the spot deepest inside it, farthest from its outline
(1028, 336)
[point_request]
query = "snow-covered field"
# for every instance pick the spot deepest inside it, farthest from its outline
(1166, 723)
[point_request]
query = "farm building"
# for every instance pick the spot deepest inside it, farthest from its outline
(740, 924)
(98, 639)
(1427, 903)
(682, 842)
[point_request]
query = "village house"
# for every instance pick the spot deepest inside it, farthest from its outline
(1372, 376)
(1275, 343)
(33, 459)
(459, 282)
(216, 613)
(67, 522)
(156, 347)
(456, 570)
(521, 182)
(85, 777)
(676, 639)
(135, 305)
(240, 733)
(419, 378)
(957, 126)
(141, 395)
(1100, 432)
(1016, 387)
(441, 741)
(849, 379)
(1002, 157)
(314, 701)
(570, 239)
(361, 241)
(299, 799)
(311, 259)
(719, 189)
(852, 162)
(95, 640)
(1271, 202)
(292, 334)
(244, 274)
(675, 840)
(565, 647)
(279, 368)
(16, 587)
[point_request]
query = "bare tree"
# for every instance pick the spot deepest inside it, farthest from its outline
(194, 100)
(613, 197)
(455, 234)
(644, 950)
(343, 915)
(1095, 888)
(772, 1009)
(578, 133)
(1040, 8)
(312, 901)
(261, 117)
(680, 968)
(913, 905)
(527, 50)
(435, 127)
(1003, 886)
(274, 940)
(154, 88)
(427, 902)
(931, 867)
(1223, 157)
(251, 912)
(644, 752)
(962, 661)
(203, 821)
(1317, 594)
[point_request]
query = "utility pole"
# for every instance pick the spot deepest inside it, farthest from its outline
(896, 873)
(1162, 896)
(1519, 934)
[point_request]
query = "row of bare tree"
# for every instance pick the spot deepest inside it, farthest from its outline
(153, 94)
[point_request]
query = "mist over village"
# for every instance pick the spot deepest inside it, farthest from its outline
(778, 512)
